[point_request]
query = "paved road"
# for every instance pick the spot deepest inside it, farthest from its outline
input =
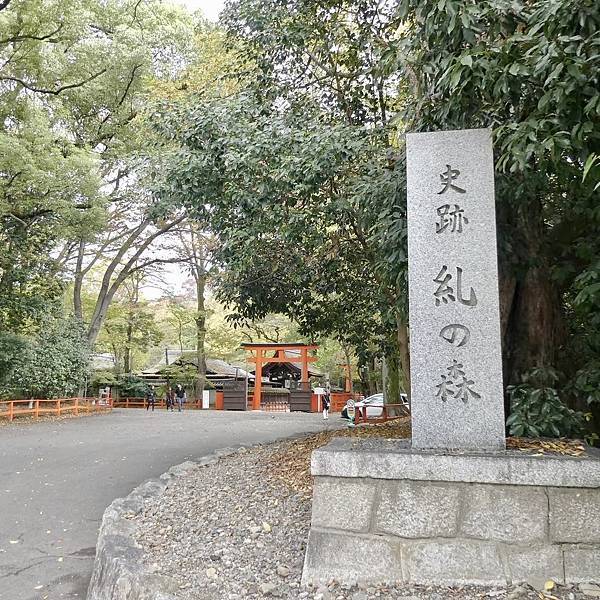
(56, 479)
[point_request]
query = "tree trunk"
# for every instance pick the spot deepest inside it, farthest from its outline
(403, 353)
(531, 313)
(349, 369)
(127, 366)
(372, 377)
(532, 323)
(394, 378)
(108, 287)
(364, 380)
(200, 332)
(78, 282)
(97, 321)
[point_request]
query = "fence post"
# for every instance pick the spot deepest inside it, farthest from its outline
(37, 409)
(76, 406)
(58, 407)
(10, 410)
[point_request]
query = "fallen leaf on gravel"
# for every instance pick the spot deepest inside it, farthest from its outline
(291, 465)
(543, 446)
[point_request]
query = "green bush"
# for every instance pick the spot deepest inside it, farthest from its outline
(55, 363)
(12, 348)
(131, 386)
(104, 379)
(186, 374)
(538, 411)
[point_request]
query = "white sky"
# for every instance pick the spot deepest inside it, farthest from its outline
(210, 8)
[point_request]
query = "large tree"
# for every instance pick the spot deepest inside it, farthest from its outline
(301, 208)
(72, 85)
(529, 70)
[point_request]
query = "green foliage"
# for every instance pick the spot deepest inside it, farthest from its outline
(74, 77)
(55, 363)
(291, 182)
(586, 325)
(185, 374)
(129, 331)
(131, 386)
(104, 379)
(537, 410)
(529, 70)
(336, 52)
(180, 319)
(12, 348)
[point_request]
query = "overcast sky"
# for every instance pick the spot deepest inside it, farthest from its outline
(210, 8)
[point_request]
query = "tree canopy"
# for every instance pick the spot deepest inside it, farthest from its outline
(302, 172)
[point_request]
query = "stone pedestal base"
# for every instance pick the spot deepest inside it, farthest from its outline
(383, 513)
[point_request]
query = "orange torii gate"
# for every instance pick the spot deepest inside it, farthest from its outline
(258, 356)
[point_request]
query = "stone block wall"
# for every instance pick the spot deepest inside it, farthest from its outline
(379, 530)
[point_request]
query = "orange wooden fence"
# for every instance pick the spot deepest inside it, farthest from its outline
(389, 411)
(11, 409)
(339, 399)
(159, 403)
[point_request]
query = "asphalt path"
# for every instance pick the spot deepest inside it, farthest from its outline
(57, 477)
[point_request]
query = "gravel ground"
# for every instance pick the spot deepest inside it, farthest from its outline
(238, 529)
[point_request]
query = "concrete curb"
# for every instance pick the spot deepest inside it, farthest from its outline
(119, 573)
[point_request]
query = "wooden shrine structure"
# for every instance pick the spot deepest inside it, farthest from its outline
(263, 354)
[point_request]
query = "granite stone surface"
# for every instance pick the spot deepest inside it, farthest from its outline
(580, 560)
(396, 459)
(456, 366)
(534, 564)
(354, 514)
(453, 518)
(575, 516)
(350, 558)
(416, 509)
(515, 514)
(452, 562)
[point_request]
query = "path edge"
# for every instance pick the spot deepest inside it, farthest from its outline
(119, 572)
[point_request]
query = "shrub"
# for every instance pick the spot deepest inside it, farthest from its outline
(538, 411)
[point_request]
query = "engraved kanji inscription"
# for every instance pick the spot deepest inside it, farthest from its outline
(455, 334)
(451, 219)
(456, 385)
(445, 389)
(464, 390)
(447, 177)
(446, 293)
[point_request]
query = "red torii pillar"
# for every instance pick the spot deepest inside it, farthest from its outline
(304, 371)
(259, 358)
(257, 381)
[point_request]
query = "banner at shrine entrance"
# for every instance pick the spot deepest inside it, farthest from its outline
(455, 347)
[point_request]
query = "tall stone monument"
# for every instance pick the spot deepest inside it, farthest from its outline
(456, 359)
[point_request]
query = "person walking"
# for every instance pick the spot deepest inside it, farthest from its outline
(326, 403)
(180, 396)
(169, 398)
(151, 398)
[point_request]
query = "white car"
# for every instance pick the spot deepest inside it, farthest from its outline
(374, 405)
